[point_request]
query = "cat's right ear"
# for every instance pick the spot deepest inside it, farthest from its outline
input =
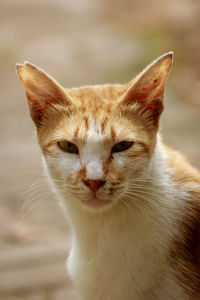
(42, 91)
(146, 92)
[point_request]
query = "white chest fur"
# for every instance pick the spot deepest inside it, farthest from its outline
(120, 262)
(123, 258)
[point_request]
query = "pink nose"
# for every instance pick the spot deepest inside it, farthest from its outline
(94, 185)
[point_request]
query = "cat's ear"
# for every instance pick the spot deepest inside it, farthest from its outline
(42, 91)
(147, 90)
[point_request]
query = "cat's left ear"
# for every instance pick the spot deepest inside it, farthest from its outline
(147, 90)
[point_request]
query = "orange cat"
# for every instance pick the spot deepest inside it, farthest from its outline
(133, 203)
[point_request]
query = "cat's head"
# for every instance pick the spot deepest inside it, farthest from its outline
(96, 140)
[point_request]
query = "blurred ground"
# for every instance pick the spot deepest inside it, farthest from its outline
(79, 42)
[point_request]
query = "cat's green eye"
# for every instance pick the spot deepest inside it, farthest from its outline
(68, 147)
(122, 146)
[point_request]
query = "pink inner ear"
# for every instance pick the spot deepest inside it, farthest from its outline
(152, 85)
(36, 113)
(149, 97)
(156, 107)
(149, 92)
(37, 110)
(37, 107)
(148, 88)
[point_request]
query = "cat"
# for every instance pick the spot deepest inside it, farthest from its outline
(132, 201)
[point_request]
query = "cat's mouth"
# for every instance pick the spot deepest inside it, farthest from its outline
(95, 201)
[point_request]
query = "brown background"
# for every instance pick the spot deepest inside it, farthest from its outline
(79, 42)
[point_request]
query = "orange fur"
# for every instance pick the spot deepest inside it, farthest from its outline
(185, 253)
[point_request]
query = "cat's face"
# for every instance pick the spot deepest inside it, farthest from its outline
(93, 155)
(97, 141)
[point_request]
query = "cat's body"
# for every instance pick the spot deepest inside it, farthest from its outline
(133, 203)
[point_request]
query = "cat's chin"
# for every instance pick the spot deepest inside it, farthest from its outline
(96, 202)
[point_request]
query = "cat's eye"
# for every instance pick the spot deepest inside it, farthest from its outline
(68, 147)
(122, 146)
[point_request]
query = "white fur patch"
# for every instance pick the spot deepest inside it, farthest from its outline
(94, 170)
(92, 155)
(66, 162)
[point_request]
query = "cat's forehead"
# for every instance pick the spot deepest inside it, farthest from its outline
(97, 97)
(94, 127)
(100, 128)
(97, 116)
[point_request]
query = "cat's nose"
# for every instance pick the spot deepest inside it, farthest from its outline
(94, 185)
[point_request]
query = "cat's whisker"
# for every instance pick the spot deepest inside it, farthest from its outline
(31, 196)
(150, 192)
(130, 206)
(33, 204)
(146, 188)
(137, 195)
(117, 188)
(28, 210)
(34, 186)
(36, 193)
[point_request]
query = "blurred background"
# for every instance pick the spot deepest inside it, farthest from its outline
(79, 42)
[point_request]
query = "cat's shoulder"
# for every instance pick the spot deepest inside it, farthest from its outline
(182, 172)
(185, 252)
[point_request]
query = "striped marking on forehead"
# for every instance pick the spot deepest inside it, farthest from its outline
(104, 124)
(101, 129)
(112, 132)
(97, 98)
(91, 127)
(95, 128)
(86, 123)
(76, 131)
